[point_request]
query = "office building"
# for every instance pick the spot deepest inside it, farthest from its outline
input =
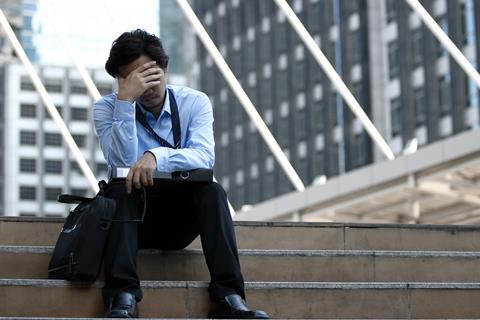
(37, 165)
(400, 75)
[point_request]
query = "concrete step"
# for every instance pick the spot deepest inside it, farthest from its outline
(180, 299)
(289, 236)
(22, 262)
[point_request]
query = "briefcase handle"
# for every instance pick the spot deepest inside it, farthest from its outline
(70, 198)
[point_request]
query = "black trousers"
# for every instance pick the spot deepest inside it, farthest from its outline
(176, 214)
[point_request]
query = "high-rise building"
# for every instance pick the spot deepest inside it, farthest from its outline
(178, 41)
(37, 165)
(13, 11)
(398, 72)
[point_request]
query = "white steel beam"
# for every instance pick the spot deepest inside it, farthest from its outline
(50, 106)
(335, 78)
(241, 95)
(445, 41)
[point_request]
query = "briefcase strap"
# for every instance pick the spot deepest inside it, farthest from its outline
(70, 198)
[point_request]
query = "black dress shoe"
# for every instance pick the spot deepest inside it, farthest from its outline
(123, 305)
(234, 307)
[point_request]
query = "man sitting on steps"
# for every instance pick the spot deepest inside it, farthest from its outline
(180, 137)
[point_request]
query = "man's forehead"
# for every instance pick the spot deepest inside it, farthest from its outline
(126, 69)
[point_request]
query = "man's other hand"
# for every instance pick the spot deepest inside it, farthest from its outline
(139, 80)
(141, 173)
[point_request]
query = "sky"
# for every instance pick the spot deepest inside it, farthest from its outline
(90, 26)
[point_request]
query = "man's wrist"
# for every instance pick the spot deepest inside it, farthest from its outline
(125, 98)
(154, 158)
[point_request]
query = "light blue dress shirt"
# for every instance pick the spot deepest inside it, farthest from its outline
(124, 140)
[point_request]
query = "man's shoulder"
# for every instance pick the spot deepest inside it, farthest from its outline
(106, 100)
(186, 92)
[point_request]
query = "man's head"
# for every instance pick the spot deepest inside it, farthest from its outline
(130, 46)
(132, 50)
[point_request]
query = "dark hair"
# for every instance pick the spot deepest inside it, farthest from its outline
(131, 45)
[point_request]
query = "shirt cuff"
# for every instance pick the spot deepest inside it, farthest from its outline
(162, 155)
(124, 110)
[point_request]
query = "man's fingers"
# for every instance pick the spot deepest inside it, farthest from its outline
(145, 66)
(136, 178)
(152, 77)
(151, 71)
(150, 177)
(150, 84)
(144, 178)
(128, 181)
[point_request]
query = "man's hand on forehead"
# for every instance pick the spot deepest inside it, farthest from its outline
(142, 78)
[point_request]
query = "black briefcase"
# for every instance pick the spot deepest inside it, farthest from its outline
(79, 249)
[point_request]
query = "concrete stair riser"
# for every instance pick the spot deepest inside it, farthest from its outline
(288, 266)
(300, 300)
(289, 236)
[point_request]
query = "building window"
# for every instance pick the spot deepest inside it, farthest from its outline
(393, 60)
(59, 109)
(104, 88)
(417, 45)
(28, 110)
(302, 149)
(74, 167)
(443, 23)
(101, 167)
(254, 171)
(51, 194)
(78, 88)
(79, 191)
(53, 166)
(269, 164)
(80, 140)
(53, 139)
(53, 86)
(357, 45)
(396, 114)
(360, 151)
(26, 85)
(444, 95)
(28, 138)
(420, 107)
(239, 177)
(80, 114)
(28, 165)
(391, 10)
(28, 193)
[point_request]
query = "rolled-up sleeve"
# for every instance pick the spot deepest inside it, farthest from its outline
(198, 150)
(115, 125)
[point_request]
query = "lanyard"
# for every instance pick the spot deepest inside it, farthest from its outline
(175, 124)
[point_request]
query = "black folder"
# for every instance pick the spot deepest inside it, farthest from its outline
(195, 175)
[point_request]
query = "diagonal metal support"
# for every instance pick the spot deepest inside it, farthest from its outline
(50, 106)
(241, 95)
(335, 78)
(445, 41)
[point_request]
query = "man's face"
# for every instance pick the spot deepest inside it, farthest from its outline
(152, 97)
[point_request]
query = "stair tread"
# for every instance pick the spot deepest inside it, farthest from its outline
(273, 252)
(252, 284)
(289, 224)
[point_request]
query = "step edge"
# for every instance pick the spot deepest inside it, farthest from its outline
(250, 285)
(21, 249)
(289, 224)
